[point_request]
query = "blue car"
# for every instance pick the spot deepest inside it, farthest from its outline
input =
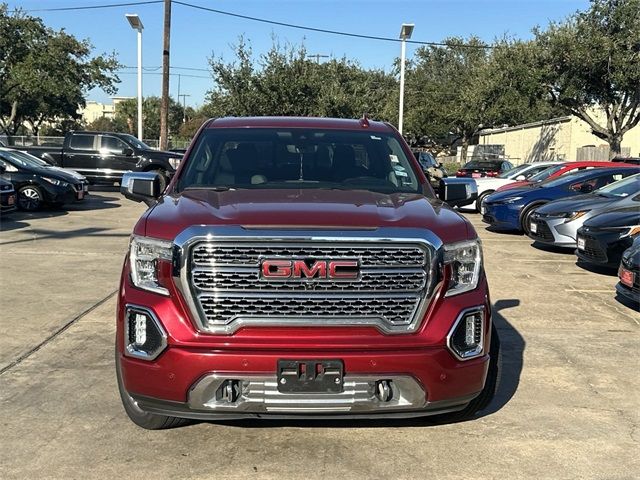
(512, 209)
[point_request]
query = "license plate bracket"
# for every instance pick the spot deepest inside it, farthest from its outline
(533, 227)
(581, 243)
(310, 376)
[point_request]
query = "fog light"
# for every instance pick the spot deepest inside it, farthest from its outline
(466, 338)
(144, 336)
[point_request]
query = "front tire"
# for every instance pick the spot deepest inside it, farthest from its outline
(164, 179)
(525, 217)
(482, 196)
(30, 198)
(146, 420)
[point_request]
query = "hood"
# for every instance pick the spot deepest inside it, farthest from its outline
(163, 154)
(500, 194)
(67, 171)
(303, 208)
(587, 201)
(54, 172)
(620, 217)
(515, 184)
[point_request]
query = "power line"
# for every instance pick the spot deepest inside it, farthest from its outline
(160, 73)
(323, 30)
(89, 7)
(153, 69)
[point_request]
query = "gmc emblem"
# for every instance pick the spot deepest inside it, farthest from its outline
(320, 269)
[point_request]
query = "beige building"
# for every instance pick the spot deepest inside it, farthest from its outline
(94, 110)
(563, 138)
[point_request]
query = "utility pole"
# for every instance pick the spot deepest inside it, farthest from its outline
(164, 105)
(184, 106)
(317, 56)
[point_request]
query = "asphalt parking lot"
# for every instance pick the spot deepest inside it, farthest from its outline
(567, 405)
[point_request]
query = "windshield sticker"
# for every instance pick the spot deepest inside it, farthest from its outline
(373, 137)
(394, 158)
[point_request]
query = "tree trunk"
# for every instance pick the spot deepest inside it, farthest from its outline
(614, 146)
(463, 151)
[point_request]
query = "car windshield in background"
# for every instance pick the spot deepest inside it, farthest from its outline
(482, 165)
(621, 188)
(543, 175)
(298, 158)
(135, 142)
(513, 172)
(22, 159)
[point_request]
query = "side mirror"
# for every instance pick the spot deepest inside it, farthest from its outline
(520, 178)
(127, 151)
(458, 192)
(141, 187)
(586, 188)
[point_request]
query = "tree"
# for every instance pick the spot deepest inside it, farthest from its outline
(45, 74)
(106, 124)
(127, 116)
(592, 65)
(285, 82)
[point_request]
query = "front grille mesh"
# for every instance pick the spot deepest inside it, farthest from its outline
(593, 250)
(226, 284)
(543, 231)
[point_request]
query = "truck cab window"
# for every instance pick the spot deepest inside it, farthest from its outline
(82, 142)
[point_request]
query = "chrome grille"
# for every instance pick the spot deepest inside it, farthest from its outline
(235, 280)
(205, 254)
(227, 291)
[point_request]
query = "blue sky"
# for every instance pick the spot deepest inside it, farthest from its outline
(196, 35)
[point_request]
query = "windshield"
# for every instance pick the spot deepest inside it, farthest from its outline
(135, 142)
(513, 173)
(621, 188)
(544, 174)
(23, 159)
(298, 158)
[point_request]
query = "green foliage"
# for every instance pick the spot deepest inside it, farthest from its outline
(45, 74)
(285, 82)
(126, 117)
(592, 62)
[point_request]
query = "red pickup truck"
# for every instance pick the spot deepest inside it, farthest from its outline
(301, 267)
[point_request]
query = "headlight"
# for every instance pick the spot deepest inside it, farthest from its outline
(512, 199)
(175, 162)
(144, 256)
(55, 181)
(465, 259)
(571, 216)
(625, 231)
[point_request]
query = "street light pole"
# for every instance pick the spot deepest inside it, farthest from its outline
(405, 33)
(136, 24)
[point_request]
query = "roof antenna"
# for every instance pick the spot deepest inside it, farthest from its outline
(364, 121)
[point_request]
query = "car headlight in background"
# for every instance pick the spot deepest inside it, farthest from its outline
(175, 162)
(571, 216)
(625, 231)
(465, 260)
(56, 182)
(144, 256)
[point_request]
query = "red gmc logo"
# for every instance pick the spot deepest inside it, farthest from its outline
(331, 269)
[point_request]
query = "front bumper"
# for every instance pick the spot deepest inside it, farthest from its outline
(8, 201)
(554, 231)
(502, 216)
(602, 248)
(182, 381)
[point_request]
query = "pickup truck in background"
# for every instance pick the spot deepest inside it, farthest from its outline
(103, 157)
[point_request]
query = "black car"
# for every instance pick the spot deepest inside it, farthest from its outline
(629, 275)
(484, 168)
(39, 183)
(7, 195)
(602, 239)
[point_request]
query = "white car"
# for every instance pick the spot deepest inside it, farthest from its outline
(488, 185)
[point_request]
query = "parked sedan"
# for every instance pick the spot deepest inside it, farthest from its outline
(512, 209)
(39, 183)
(557, 171)
(488, 185)
(7, 195)
(484, 168)
(557, 223)
(603, 239)
(629, 274)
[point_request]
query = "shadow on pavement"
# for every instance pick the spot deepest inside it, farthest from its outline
(512, 348)
(602, 270)
(41, 234)
(553, 248)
